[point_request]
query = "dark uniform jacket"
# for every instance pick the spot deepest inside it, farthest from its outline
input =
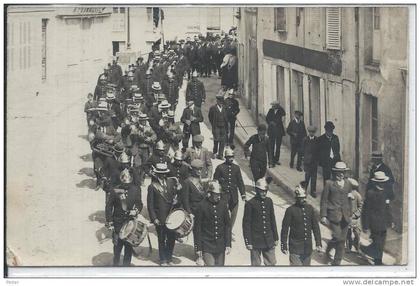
(302, 222)
(154, 159)
(297, 132)
(112, 169)
(335, 203)
(117, 209)
(310, 151)
(230, 178)
(260, 148)
(160, 199)
(232, 108)
(192, 194)
(171, 91)
(376, 213)
(259, 223)
(274, 121)
(196, 92)
(324, 149)
(181, 172)
(194, 127)
(212, 232)
(219, 122)
(146, 87)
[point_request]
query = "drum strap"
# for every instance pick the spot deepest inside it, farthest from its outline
(197, 185)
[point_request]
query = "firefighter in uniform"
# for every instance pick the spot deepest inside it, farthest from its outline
(259, 226)
(195, 91)
(179, 168)
(212, 232)
(230, 178)
(299, 222)
(232, 110)
(171, 90)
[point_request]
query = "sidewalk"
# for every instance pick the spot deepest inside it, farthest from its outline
(288, 178)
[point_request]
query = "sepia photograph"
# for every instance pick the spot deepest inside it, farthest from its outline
(146, 136)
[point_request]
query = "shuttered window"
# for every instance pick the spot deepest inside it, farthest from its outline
(333, 23)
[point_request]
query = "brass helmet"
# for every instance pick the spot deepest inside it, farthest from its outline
(125, 177)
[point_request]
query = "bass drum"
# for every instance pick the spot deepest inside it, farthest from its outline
(180, 222)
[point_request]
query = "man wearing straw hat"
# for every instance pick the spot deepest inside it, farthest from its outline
(212, 232)
(299, 222)
(376, 214)
(161, 197)
(336, 210)
(124, 204)
(259, 226)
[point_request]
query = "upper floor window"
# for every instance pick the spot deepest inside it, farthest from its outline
(280, 19)
(333, 23)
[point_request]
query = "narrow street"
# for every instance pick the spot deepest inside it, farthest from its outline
(59, 218)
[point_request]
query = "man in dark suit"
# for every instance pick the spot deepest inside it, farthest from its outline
(378, 165)
(124, 204)
(336, 210)
(232, 110)
(179, 168)
(219, 125)
(302, 221)
(310, 159)
(191, 118)
(297, 132)
(261, 152)
(195, 91)
(376, 214)
(193, 191)
(274, 120)
(212, 232)
(328, 150)
(161, 197)
(259, 226)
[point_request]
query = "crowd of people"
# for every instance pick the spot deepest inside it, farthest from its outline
(133, 135)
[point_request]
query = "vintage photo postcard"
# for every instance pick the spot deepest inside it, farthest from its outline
(184, 137)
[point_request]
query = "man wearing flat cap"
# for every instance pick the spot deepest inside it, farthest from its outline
(260, 154)
(212, 232)
(191, 118)
(328, 150)
(219, 125)
(310, 159)
(377, 215)
(201, 153)
(274, 118)
(299, 222)
(259, 226)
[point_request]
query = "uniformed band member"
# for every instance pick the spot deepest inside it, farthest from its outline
(260, 154)
(195, 91)
(229, 176)
(193, 191)
(299, 222)
(232, 110)
(212, 232)
(191, 117)
(336, 210)
(179, 168)
(161, 197)
(259, 226)
(124, 204)
(376, 214)
(219, 125)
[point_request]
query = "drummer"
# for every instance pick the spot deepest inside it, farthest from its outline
(212, 232)
(124, 204)
(161, 197)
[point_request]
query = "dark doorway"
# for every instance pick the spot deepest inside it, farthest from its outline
(115, 48)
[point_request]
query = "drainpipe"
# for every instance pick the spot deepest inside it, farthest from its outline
(128, 28)
(357, 86)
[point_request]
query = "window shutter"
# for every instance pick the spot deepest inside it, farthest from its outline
(333, 29)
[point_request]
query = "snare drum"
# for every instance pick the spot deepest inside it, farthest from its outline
(180, 222)
(133, 232)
